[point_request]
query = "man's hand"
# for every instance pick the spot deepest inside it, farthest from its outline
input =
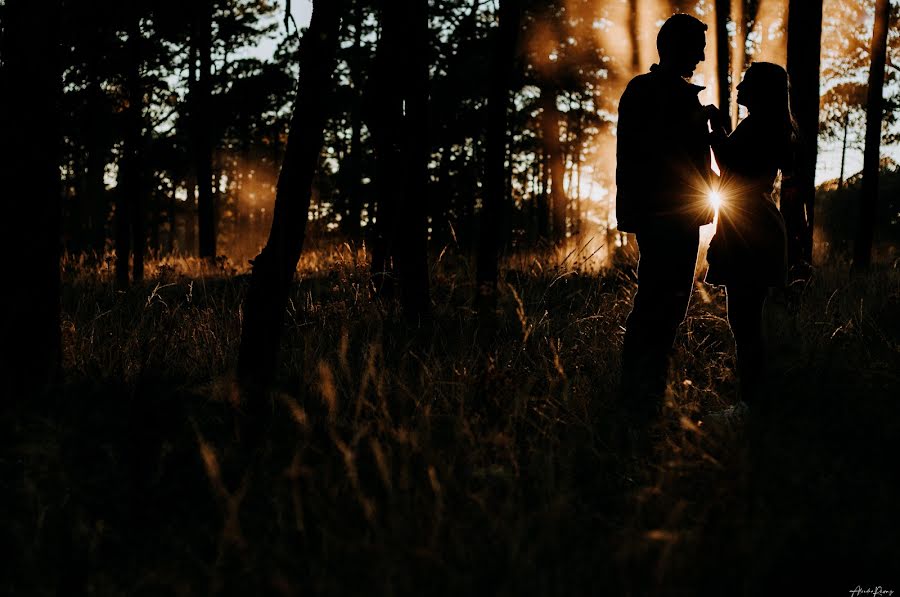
(718, 121)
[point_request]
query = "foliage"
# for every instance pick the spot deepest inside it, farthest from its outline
(846, 39)
(837, 213)
(573, 56)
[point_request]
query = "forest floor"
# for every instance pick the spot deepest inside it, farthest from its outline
(457, 458)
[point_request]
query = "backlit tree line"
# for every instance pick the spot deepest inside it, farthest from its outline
(138, 129)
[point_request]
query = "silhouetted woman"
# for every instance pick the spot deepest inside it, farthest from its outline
(748, 252)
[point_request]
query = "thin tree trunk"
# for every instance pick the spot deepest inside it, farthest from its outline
(123, 215)
(402, 148)
(274, 268)
(799, 192)
(132, 174)
(543, 203)
(739, 58)
(353, 213)
(868, 206)
(386, 122)
(844, 149)
(203, 143)
(723, 58)
(412, 236)
(171, 210)
(578, 212)
(126, 189)
(30, 148)
(550, 132)
(634, 36)
(95, 188)
(123, 236)
(495, 155)
(441, 205)
(190, 206)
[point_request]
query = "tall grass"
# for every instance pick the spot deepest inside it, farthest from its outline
(461, 457)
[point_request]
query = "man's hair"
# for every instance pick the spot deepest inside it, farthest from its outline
(677, 32)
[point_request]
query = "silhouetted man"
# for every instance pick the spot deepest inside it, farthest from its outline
(662, 174)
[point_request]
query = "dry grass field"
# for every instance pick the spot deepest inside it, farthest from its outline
(459, 457)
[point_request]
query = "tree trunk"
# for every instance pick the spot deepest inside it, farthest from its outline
(190, 206)
(133, 187)
(543, 204)
(412, 257)
(723, 57)
(386, 122)
(203, 142)
(402, 155)
(634, 37)
(550, 133)
(799, 191)
(495, 175)
(273, 270)
(442, 202)
(844, 149)
(30, 148)
(123, 237)
(351, 220)
(578, 213)
(739, 57)
(95, 187)
(868, 206)
(126, 187)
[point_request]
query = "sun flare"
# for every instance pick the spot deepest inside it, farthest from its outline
(715, 198)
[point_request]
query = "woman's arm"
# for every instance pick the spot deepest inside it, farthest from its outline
(720, 127)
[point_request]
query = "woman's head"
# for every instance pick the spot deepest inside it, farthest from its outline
(765, 91)
(764, 88)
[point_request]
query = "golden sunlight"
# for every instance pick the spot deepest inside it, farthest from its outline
(715, 198)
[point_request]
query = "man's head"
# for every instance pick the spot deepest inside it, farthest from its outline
(681, 43)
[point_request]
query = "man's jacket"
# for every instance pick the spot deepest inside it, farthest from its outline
(663, 160)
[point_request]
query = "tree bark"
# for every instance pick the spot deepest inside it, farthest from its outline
(30, 149)
(799, 191)
(868, 206)
(496, 173)
(274, 268)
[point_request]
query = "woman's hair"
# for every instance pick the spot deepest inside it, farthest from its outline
(772, 94)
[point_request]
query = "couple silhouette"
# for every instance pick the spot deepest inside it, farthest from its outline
(665, 182)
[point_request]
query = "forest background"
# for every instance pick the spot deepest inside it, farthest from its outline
(426, 396)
